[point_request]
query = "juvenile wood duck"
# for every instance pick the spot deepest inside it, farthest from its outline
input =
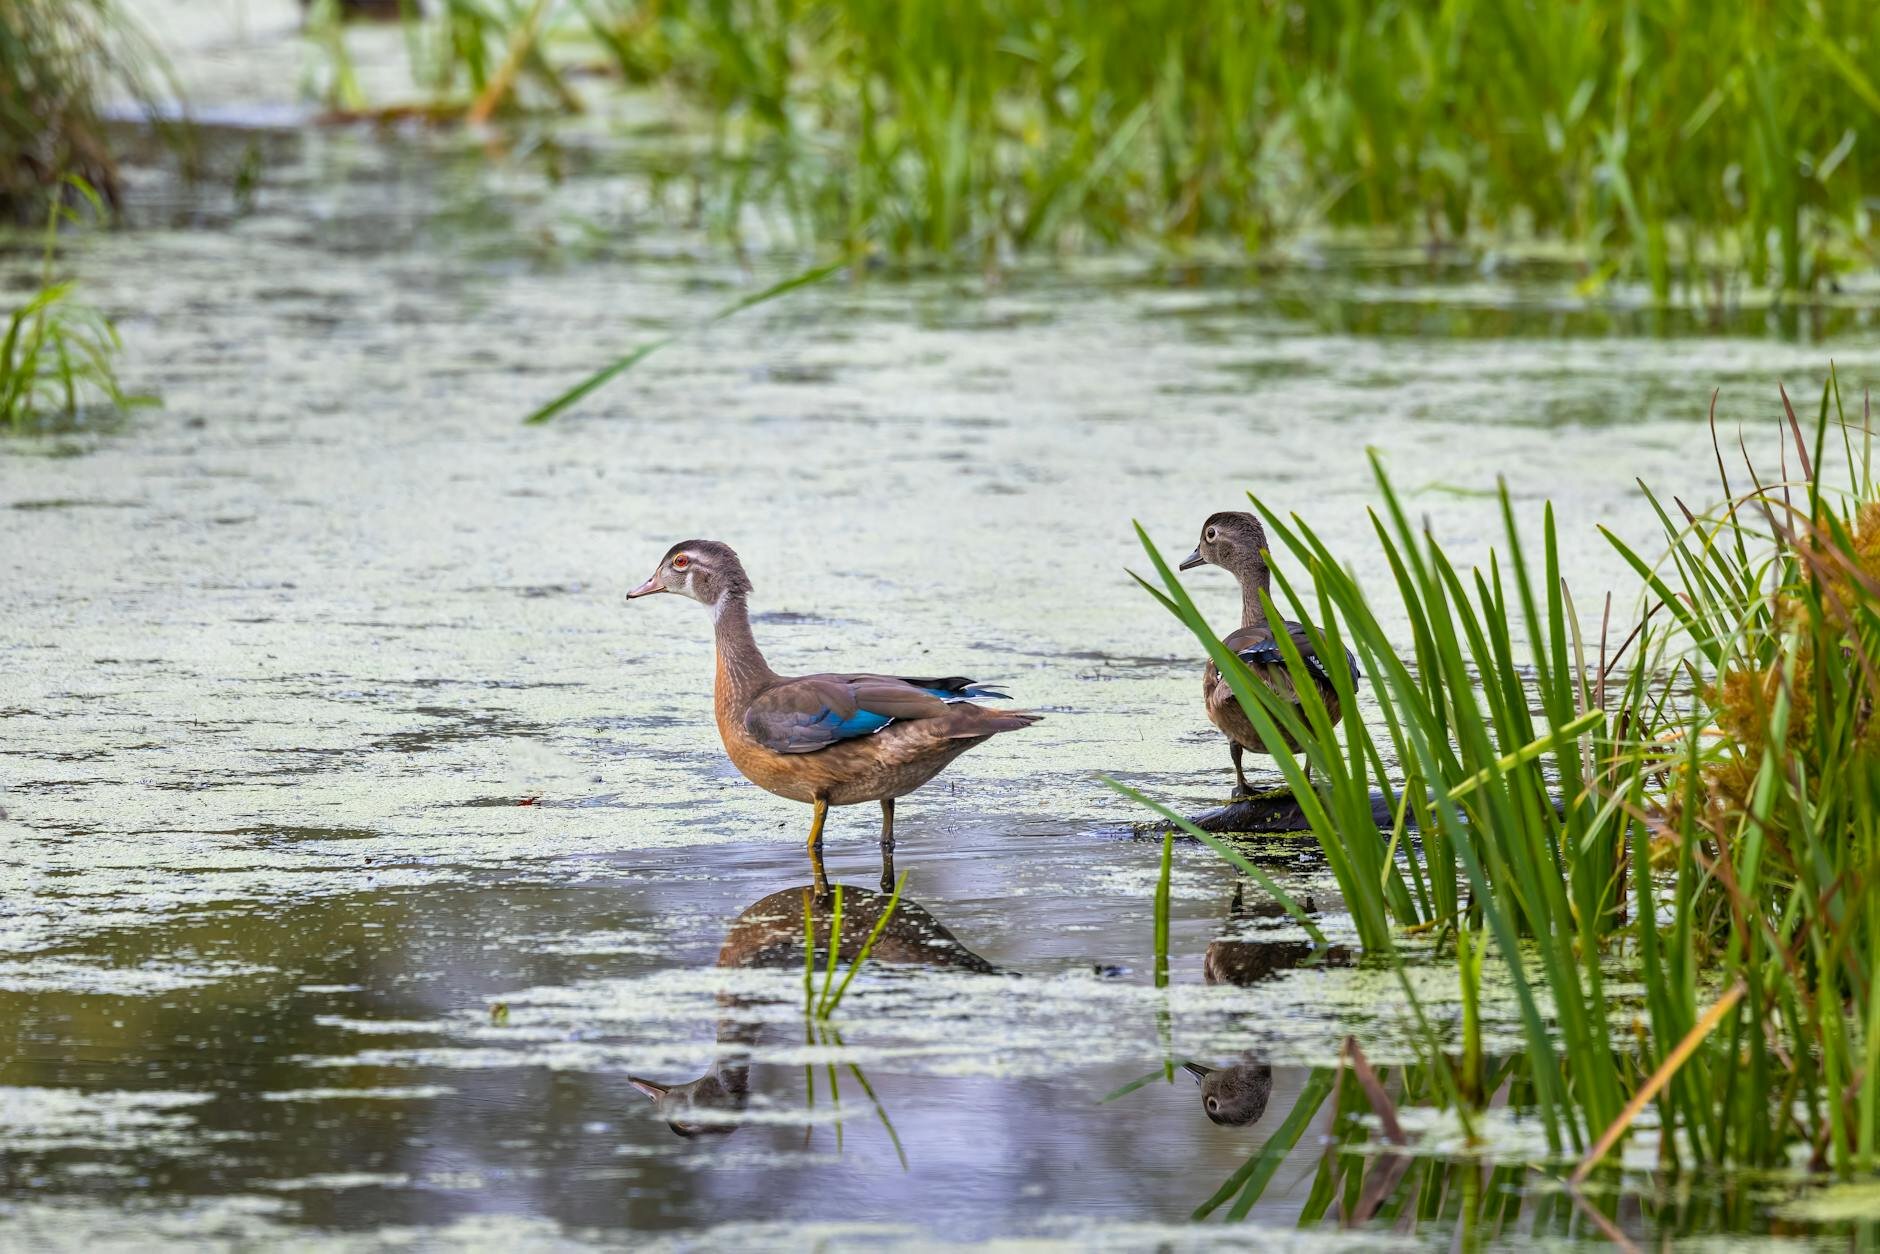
(1236, 542)
(828, 740)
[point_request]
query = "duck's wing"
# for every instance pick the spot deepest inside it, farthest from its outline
(816, 711)
(949, 688)
(1257, 646)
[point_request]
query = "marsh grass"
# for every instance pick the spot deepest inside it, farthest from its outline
(1371, 1171)
(57, 60)
(1670, 141)
(57, 353)
(325, 29)
(1700, 799)
(1761, 803)
(823, 1004)
(619, 366)
(475, 59)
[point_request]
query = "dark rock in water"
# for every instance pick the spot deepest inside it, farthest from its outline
(367, 10)
(1276, 811)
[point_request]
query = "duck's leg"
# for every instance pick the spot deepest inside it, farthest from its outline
(887, 845)
(1240, 776)
(819, 812)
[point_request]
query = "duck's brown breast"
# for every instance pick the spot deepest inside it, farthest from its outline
(774, 772)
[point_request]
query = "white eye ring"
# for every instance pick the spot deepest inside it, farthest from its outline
(1210, 536)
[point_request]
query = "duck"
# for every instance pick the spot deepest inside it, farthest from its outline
(827, 739)
(1236, 542)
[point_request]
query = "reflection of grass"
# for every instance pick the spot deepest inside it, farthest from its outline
(1711, 813)
(817, 1032)
(1161, 909)
(820, 1005)
(56, 353)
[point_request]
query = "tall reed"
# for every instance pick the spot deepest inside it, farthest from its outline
(1665, 139)
(1700, 800)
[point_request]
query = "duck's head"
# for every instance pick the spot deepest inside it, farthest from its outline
(1231, 540)
(704, 570)
(1233, 1096)
(679, 1104)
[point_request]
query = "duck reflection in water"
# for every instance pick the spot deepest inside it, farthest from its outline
(1236, 1095)
(771, 934)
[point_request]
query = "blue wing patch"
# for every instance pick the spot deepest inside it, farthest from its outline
(860, 723)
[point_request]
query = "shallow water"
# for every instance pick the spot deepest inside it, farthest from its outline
(281, 955)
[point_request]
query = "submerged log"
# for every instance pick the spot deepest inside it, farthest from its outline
(1277, 811)
(1274, 811)
(367, 10)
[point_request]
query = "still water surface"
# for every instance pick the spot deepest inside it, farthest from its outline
(281, 955)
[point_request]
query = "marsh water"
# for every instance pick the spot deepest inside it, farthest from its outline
(360, 842)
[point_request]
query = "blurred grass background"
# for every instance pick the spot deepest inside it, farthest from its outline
(1672, 141)
(1677, 142)
(1668, 140)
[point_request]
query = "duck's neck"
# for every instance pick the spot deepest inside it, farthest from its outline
(741, 666)
(737, 1037)
(1254, 580)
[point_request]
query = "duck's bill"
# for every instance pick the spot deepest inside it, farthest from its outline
(1193, 560)
(648, 1087)
(646, 589)
(1196, 1070)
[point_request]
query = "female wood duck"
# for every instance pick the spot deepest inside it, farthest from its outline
(1236, 542)
(829, 740)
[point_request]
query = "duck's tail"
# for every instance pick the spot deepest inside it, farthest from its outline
(990, 722)
(983, 692)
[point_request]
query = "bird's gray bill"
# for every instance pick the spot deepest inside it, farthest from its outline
(1196, 1070)
(652, 1090)
(1193, 560)
(646, 589)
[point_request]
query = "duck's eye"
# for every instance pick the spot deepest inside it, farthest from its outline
(1213, 1105)
(1210, 536)
(681, 562)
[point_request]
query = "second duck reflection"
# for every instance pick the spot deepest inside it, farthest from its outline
(771, 934)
